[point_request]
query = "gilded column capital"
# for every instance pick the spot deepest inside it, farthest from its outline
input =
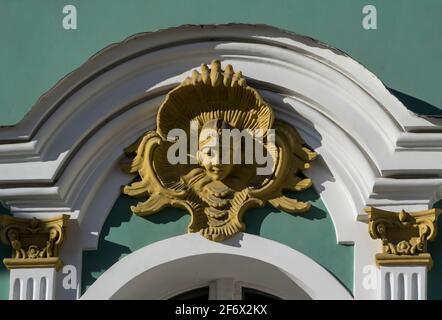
(35, 242)
(404, 235)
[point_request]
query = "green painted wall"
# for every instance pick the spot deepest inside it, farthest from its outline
(312, 234)
(404, 52)
(36, 51)
(5, 252)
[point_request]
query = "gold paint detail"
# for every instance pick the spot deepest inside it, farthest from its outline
(404, 235)
(35, 242)
(216, 198)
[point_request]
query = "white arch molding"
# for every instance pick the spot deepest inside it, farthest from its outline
(63, 156)
(169, 267)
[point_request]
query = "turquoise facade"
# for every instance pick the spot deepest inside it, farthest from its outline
(403, 52)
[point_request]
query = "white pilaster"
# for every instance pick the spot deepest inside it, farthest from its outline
(403, 283)
(32, 284)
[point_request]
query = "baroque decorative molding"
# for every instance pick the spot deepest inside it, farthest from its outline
(217, 194)
(389, 158)
(35, 243)
(404, 235)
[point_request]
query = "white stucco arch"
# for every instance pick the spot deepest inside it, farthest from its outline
(63, 157)
(133, 275)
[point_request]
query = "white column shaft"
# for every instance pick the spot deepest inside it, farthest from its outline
(404, 283)
(32, 284)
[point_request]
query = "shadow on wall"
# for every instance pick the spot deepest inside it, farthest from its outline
(311, 233)
(415, 105)
(94, 262)
(254, 218)
(124, 232)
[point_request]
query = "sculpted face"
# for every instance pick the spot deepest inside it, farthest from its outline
(217, 194)
(210, 148)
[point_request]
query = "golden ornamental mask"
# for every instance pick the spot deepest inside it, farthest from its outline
(218, 123)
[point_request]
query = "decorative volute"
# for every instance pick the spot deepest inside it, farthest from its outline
(404, 236)
(35, 243)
